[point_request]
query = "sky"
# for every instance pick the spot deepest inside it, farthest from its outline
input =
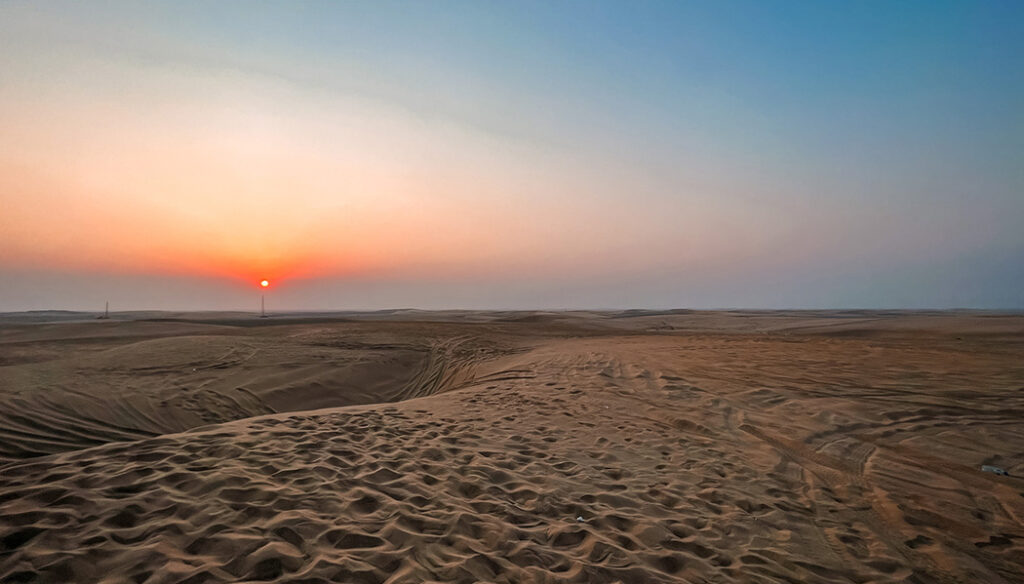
(170, 155)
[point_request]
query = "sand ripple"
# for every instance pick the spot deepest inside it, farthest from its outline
(601, 458)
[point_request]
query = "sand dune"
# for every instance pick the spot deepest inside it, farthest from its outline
(645, 446)
(134, 389)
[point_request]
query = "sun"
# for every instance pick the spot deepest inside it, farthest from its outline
(264, 283)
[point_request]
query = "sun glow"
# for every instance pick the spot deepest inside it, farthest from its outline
(264, 283)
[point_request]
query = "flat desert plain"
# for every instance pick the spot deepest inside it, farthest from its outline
(407, 446)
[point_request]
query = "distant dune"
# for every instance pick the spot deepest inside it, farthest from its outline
(462, 446)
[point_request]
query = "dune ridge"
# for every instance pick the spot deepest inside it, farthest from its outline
(157, 386)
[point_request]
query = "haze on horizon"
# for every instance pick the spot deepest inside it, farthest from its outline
(511, 155)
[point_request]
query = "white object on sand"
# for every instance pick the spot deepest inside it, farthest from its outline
(994, 469)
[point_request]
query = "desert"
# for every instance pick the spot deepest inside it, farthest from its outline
(521, 446)
(511, 292)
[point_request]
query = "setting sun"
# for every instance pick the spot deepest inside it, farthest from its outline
(264, 283)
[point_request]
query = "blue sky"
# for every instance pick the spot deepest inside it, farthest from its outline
(484, 154)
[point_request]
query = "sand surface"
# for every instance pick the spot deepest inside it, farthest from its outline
(407, 446)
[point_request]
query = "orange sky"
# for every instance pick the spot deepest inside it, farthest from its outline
(280, 185)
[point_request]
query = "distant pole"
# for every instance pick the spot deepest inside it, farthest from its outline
(263, 299)
(106, 310)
